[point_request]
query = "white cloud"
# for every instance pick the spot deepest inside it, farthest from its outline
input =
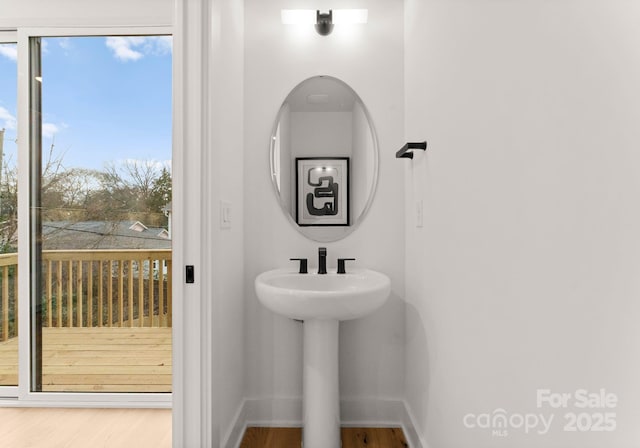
(7, 120)
(121, 47)
(132, 48)
(64, 43)
(163, 44)
(9, 51)
(49, 130)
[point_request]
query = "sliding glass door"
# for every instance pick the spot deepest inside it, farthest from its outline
(8, 213)
(100, 214)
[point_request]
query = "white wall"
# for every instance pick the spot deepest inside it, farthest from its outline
(16, 13)
(323, 133)
(526, 273)
(224, 172)
(369, 59)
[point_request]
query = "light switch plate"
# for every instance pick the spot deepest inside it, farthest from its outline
(225, 215)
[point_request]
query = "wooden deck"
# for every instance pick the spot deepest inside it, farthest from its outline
(9, 362)
(98, 360)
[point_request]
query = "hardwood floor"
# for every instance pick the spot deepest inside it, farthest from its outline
(373, 438)
(148, 428)
(82, 428)
(271, 437)
(260, 437)
(98, 360)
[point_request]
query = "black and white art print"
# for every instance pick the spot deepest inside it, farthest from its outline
(322, 193)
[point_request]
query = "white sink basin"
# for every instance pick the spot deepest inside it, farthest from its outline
(326, 296)
(321, 301)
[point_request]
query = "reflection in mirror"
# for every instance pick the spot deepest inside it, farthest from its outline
(324, 158)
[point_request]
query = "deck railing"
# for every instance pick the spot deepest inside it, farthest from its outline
(94, 288)
(9, 288)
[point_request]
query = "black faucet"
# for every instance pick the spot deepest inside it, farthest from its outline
(322, 260)
(303, 265)
(341, 269)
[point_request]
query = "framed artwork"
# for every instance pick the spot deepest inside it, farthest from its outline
(322, 191)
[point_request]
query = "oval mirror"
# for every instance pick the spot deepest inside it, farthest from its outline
(324, 158)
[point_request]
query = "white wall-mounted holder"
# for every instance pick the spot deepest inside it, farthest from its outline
(406, 152)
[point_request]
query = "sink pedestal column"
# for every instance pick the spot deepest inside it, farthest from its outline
(321, 395)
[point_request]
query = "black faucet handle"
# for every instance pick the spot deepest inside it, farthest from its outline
(303, 265)
(341, 261)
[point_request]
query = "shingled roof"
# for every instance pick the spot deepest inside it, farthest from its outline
(57, 235)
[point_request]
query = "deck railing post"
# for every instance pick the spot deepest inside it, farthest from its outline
(90, 294)
(5, 303)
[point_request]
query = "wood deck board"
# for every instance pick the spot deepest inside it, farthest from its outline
(9, 362)
(261, 437)
(102, 360)
(96, 345)
(110, 340)
(122, 388)
(98, 359)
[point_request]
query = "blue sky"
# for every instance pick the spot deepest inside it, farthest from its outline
(104, 99)
(8, 85)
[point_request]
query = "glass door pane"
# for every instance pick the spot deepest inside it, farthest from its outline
(102, 299)
(8, 216)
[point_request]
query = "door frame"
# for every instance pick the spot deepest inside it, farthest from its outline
(194, 417)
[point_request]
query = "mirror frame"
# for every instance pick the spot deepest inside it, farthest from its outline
(333, 233)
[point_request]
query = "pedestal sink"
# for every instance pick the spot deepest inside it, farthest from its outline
(321, 301)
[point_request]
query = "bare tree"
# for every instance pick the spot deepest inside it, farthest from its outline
(65, 191)
(8, 206)
(133, 186)
(123, 191)
(137, 175)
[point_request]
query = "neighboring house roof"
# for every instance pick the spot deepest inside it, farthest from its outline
(138, 227)
(103, 235)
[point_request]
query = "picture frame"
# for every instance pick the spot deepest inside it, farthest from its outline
(322, 191)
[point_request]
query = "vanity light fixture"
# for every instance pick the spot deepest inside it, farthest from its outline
(324, 21)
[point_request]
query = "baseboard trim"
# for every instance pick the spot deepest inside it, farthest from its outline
(414, 439)
(238, 426)
(355, 412)
(280, 412)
